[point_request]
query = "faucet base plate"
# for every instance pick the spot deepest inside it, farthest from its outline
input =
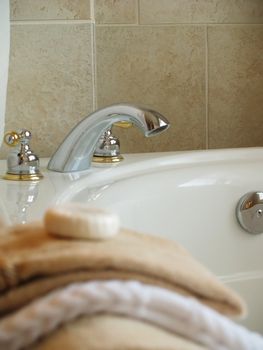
(107, 159)
(23, 177)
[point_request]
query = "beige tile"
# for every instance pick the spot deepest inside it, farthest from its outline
(235, 86)
(116, 11)
(167, 74)
(50, 82)
(49, 9)
(201, 11)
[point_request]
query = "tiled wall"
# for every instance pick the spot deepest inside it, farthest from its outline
(199, 62)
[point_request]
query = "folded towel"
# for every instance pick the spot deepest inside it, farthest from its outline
(33, 262)
(176, 313)
(112, 332)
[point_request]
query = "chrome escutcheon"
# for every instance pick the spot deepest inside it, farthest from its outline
(249, 212)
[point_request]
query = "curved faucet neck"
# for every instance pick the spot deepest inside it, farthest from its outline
(76, 151)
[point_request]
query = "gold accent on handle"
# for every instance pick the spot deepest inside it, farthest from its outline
(123, 124)
(11, 138)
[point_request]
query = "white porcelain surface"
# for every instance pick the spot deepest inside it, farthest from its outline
(186, 196)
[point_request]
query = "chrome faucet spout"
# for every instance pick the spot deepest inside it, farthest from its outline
(76, 151)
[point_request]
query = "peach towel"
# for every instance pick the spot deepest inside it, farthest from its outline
(32, 263)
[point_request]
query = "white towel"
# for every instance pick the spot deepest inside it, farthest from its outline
(4, 60)
(182, 315)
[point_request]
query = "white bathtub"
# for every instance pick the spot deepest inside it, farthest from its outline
(190, 197)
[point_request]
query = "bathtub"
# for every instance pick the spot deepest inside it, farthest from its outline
(190, 197)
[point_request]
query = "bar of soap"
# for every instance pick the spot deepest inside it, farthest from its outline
(75, 220)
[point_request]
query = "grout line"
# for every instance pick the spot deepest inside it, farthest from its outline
(52, 21)
(89, 21)
(117, 24)
(147, 25)
(138, 12)
(206, 89)
(94, 56)
(92, 10)
(82, 21)
(94, 67)
(178, 24)
(234, 24)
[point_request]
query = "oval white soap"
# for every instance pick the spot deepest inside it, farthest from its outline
(75, 220)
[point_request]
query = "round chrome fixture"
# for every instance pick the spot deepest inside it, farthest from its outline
(249, 212)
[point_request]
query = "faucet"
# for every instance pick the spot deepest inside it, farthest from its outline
(22, 163)
(76, 151)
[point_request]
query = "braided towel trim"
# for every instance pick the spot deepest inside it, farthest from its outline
(174, 312)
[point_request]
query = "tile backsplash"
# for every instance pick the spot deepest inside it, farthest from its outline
(199, 62)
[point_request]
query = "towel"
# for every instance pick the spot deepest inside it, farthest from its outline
(176, 313)
(113, 332)
(33, 262)
(71, 318)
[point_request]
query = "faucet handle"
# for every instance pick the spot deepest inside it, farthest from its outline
(22, 163)
(107, 149)
(12, 138)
